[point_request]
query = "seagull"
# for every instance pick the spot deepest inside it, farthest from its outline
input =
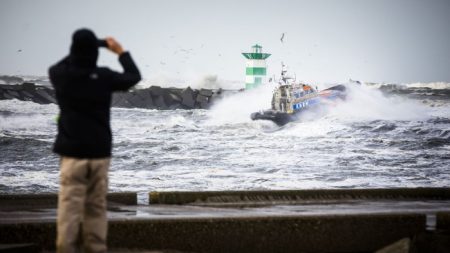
(282, 38)
(20, 50)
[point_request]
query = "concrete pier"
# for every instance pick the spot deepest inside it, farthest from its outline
(294, 196)
(360, 220)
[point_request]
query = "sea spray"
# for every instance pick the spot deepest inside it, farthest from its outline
(24, 118)
(237, 108)
(365, 103)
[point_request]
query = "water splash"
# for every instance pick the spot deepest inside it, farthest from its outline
(238, 107)
(365, 103)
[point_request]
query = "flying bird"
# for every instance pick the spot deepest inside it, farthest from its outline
(282, 38)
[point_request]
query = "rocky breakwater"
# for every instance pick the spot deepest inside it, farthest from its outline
(154, 97)
(27, 92)
(159, 98)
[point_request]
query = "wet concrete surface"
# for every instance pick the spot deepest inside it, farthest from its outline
(10, 214)
(311, 224)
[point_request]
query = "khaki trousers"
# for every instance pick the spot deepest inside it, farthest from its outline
(82, 201)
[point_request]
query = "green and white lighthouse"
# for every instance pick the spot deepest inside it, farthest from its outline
(256, 67)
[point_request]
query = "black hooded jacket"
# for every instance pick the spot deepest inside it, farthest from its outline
(83, 92)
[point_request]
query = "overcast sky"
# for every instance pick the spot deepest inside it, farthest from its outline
(325, 41)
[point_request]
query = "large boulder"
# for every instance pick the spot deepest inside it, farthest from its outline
(146, 98)
(121, 99)
(202, 101)
(206, 92)
(44, 96)
(160, 103)
(137, 101)
(157, 91)
(187, 96)
(172, 97)
(30, 87)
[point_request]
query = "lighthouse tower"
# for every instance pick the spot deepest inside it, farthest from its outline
(255, 72)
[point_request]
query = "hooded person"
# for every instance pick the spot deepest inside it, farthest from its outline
(84, 49)
(84, 140)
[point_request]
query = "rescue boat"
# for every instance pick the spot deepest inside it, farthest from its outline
(291, 99)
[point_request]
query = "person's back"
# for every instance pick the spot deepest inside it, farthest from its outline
(83, 92)
(84, 140)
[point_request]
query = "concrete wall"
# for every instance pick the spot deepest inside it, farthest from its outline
(345, 233)
(51, 199)
(295, 196)
(251, 233)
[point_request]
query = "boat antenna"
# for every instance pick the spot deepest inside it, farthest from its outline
(283, 73)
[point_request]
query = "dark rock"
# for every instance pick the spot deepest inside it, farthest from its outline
(206, 92)
(132, 99)
(156, 91)
(137, 101)
(27, 96)
(187, 92)
(51, 92)
(187, 96)
(205, 105)
(147, 99)
(149, 103)
(217, 95)
(203, 101)
(46, 97)
(189, 103)
(175, 106)
(29, 87)
(160, 103)
(8, 96)
(201, 98)
(172, 98)
(13, 94)
(151, 98)
(123, 101)
(11, 87)
(117, 98)
(142, 93)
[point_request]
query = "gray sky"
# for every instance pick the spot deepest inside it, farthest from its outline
(325, 41)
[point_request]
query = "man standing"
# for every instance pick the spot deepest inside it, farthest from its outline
(84, 139)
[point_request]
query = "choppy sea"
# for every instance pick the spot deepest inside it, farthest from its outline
(381, 136)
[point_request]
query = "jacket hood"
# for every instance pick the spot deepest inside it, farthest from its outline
(84, 49)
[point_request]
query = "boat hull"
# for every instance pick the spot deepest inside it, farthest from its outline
(315, 104)
(279, 118)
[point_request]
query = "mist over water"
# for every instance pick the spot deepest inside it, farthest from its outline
(238, 107)
(376, 138)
